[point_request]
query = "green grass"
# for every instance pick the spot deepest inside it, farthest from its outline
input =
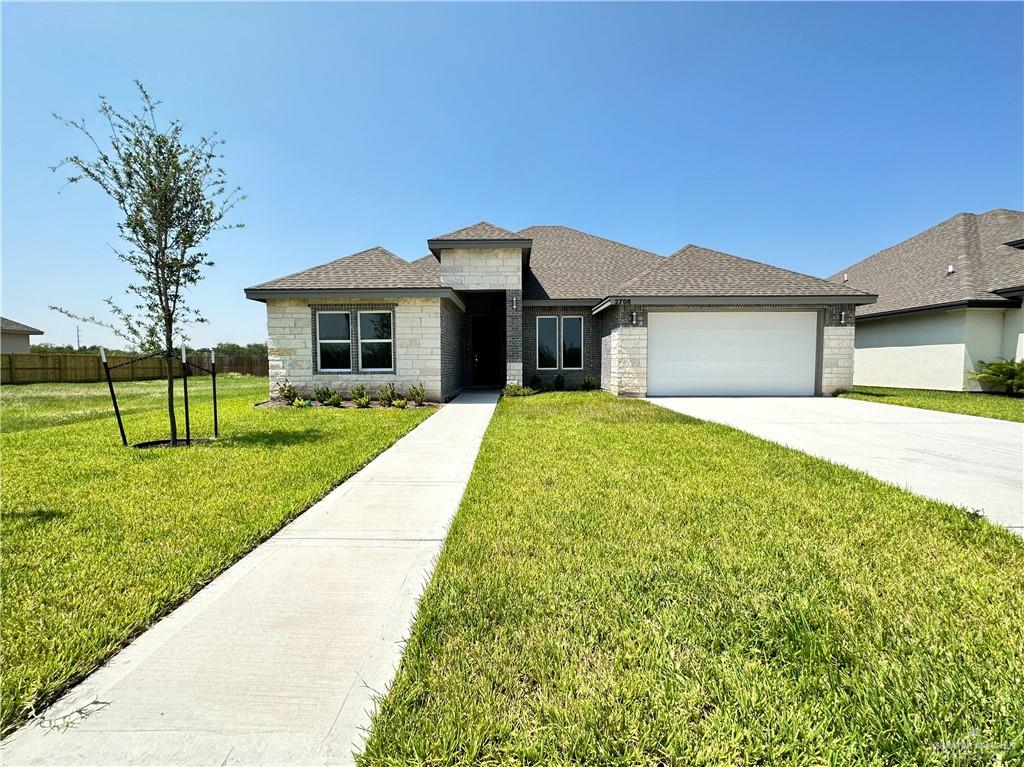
(624, 585)
(100, 540)
(968, 403)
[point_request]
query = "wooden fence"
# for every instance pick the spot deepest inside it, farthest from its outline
(84, 368)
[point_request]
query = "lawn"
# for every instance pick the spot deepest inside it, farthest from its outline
(99, 540)
(624, 585)
(968, 403)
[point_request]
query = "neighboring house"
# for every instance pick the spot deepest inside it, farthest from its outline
(948, 299)
(489, 306)
(14, 336)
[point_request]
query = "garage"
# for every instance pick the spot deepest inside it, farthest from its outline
(732, 353)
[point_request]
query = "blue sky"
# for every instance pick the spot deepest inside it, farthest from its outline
(805, 135)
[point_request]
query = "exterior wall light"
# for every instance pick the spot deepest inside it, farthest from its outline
(842, 318)
(632, 318)
(515, 303)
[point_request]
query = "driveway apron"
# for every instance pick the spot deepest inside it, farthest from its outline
(280, 659)
(977, 463)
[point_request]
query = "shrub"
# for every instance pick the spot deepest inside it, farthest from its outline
(536, 382)
(323, 393)
(358, 392)
(400, 403)
(1007, 373)
(299, 402)
(517, 390)
(417, 393)
(287, 391)
(361, 401)
(334, 400)
(387, 394)
(589, 383)
(559, 383)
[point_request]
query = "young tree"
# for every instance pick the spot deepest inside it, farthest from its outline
(171, 196)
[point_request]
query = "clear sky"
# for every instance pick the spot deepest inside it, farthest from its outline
(805, 135)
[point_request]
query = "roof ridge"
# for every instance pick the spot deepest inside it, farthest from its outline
(595, 236)
(336, 261)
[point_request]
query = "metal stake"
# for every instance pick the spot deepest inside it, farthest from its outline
(213, 375)
(184, 383)
(113, 397)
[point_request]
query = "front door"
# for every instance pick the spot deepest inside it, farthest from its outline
(488, 350)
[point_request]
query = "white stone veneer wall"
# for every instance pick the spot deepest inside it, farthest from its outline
(482, 268)
(836, 359)
(627, 348)
(417, 329)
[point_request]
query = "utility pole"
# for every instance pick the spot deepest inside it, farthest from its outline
(78, 339)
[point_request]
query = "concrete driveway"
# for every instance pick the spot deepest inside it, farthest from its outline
(973, 462)
(278, 661)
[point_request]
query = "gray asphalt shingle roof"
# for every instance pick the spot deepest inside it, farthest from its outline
(11, 326)
(696, 271)
(915, 273)
(567, 264)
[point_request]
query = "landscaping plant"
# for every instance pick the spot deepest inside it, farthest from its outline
(536, 382)
(417, 394)
(358, 392)
(517, 390)
(323, 393)
(387, 394)
(559, 382)
(171, 195)
(361, 401)
(287, 391)
(1006, 373)
(400, 403)
(299, 402)
(334, 400)
(589, 383)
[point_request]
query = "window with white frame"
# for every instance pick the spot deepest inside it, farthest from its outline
(572, 343)
(376, 341)
(333, 341)
(547, 343)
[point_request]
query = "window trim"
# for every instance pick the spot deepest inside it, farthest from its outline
(319, 367)
(561, 345)
(389, 341)
(558, 339)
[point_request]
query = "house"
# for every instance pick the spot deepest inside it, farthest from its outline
(948, 298)
(489, 306)
(14, 336)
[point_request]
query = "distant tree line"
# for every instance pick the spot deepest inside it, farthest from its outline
(226, 348)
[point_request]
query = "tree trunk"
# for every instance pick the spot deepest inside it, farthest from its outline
(172, 421)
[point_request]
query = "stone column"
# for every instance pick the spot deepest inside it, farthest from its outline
(514, 336)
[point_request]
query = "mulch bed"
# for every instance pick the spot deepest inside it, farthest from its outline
(346, 405)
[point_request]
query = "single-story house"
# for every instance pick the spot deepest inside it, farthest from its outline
(489, 306)
(14, 336)
(948, 298)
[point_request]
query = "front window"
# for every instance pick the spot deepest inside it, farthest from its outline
(572, 343)
(334, 341)
(547, 343)
(375, 341)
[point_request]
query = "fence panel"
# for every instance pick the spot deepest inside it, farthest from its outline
(32, 367)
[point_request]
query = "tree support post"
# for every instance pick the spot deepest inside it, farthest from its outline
(113, 397)
(213, 376)
(184, 383)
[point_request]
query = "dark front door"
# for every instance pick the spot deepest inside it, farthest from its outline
(488, 350)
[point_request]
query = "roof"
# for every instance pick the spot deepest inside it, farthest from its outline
(482, 230)
(915, 273)
(696, 271)
(371, 269)
(569, 264)
(10, 326)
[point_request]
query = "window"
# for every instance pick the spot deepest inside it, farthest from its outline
(375, 341)
(547, 343)
(572, 343)
(333, 341)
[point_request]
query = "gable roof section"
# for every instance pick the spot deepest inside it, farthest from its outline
(573, 265)
(700, 272)
(373, 269)
(482, 230)
(915, 273)
(10, 326)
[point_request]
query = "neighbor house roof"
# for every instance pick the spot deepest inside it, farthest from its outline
(569, 264)
(700, 272)
(10, 326)
(915, 274)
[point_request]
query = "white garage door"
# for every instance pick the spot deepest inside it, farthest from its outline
(731, 353)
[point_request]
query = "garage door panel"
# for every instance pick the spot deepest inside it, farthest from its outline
(731, 353)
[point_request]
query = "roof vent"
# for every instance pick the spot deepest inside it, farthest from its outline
(846, 277)
(951, 269)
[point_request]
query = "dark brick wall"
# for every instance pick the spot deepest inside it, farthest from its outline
(592, 331)
(513, 326)
(453, 377)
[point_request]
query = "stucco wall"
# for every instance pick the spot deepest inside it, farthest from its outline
(482, 268)
(417, 345)
(14, 343)
(937, 349)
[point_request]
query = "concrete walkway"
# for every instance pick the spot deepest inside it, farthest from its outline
(279, 659)
(973, 462)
